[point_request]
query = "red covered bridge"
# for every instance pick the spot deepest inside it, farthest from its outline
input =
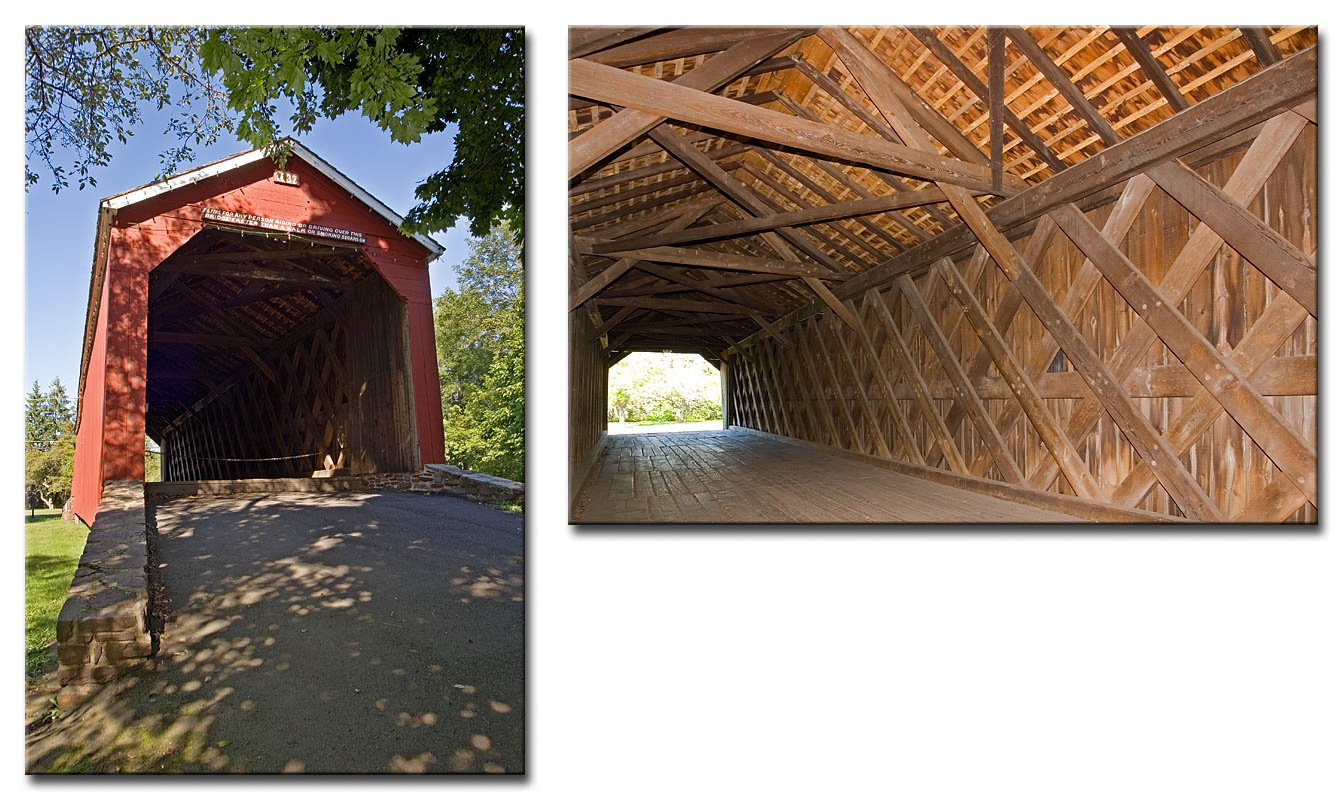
(255, 323)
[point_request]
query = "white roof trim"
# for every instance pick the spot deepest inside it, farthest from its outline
(243, 159)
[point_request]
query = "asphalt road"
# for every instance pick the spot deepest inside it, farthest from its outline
(320, 633)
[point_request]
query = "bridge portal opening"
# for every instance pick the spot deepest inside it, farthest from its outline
(663, 392)
(275, 357)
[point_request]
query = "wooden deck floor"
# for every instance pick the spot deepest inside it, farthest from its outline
(732, 476)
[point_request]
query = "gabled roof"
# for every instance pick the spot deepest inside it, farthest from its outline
(723, 178)
(230, 163)
(110, 205)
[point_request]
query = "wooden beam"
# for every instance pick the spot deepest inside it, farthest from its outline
(1278, 322)
(722, 154)
(1060, 80)
(254, 256)
(678, 43)
(1268, 149)
(1248, 103)
(703, 287)
(200, 339)
(1084, 281)
(951, 365)
(1022, 387)
(996, 102)
(923, 398)
(615, 132)
(719, 283)
(780, 240)
(677, 305)
(1257, 39)
(615, 319)
(271, 274)
(894, 181)
(586, 41)
(1150, 67)
(875, 436)
(933, 122)
(602, 280)
(694, 191)
(828, 297)
(833, 235)
(838, 238)
(803, 216)
(716, 260)
(1136, 426)
(698, 108)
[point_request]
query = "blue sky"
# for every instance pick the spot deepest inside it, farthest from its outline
(59, 228)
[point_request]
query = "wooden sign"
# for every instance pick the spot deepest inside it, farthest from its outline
(286, 226)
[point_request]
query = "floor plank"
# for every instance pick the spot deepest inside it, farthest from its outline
(730, 476)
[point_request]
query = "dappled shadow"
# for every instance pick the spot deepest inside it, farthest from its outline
(332, 633)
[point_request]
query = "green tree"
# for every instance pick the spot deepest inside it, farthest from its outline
(37, 431)
(86, 86)
(50, 447)
(48, 473)
(153, 461)
(59, 408)
(663, 387)
(479, 331)
(408, 82)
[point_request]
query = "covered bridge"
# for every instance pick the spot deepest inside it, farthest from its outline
(255, 323)
(1072, 269)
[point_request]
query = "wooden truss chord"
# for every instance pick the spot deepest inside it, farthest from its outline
(698, 108)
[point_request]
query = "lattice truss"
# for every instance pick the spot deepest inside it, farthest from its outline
(255, 365)
(1072, 260)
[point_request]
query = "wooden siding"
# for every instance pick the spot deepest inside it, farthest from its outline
(1227, 300)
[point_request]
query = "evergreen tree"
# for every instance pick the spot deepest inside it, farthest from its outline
(35, 429)
(60, 411)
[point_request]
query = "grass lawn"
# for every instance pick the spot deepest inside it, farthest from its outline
(52, 548)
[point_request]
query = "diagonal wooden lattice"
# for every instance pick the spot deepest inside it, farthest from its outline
(1207, 379)
(332, 395)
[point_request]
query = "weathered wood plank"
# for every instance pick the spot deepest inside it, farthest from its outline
(1279, 259)
(1223, 380)
(1022, 386)
(974, 406)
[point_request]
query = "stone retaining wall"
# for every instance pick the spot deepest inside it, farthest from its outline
(446, 479)
(102, 630)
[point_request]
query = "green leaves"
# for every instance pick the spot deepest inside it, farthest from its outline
(85, 87)
(663, 387)
(323, 72)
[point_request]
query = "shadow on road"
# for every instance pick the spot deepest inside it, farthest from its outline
(319, 633)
